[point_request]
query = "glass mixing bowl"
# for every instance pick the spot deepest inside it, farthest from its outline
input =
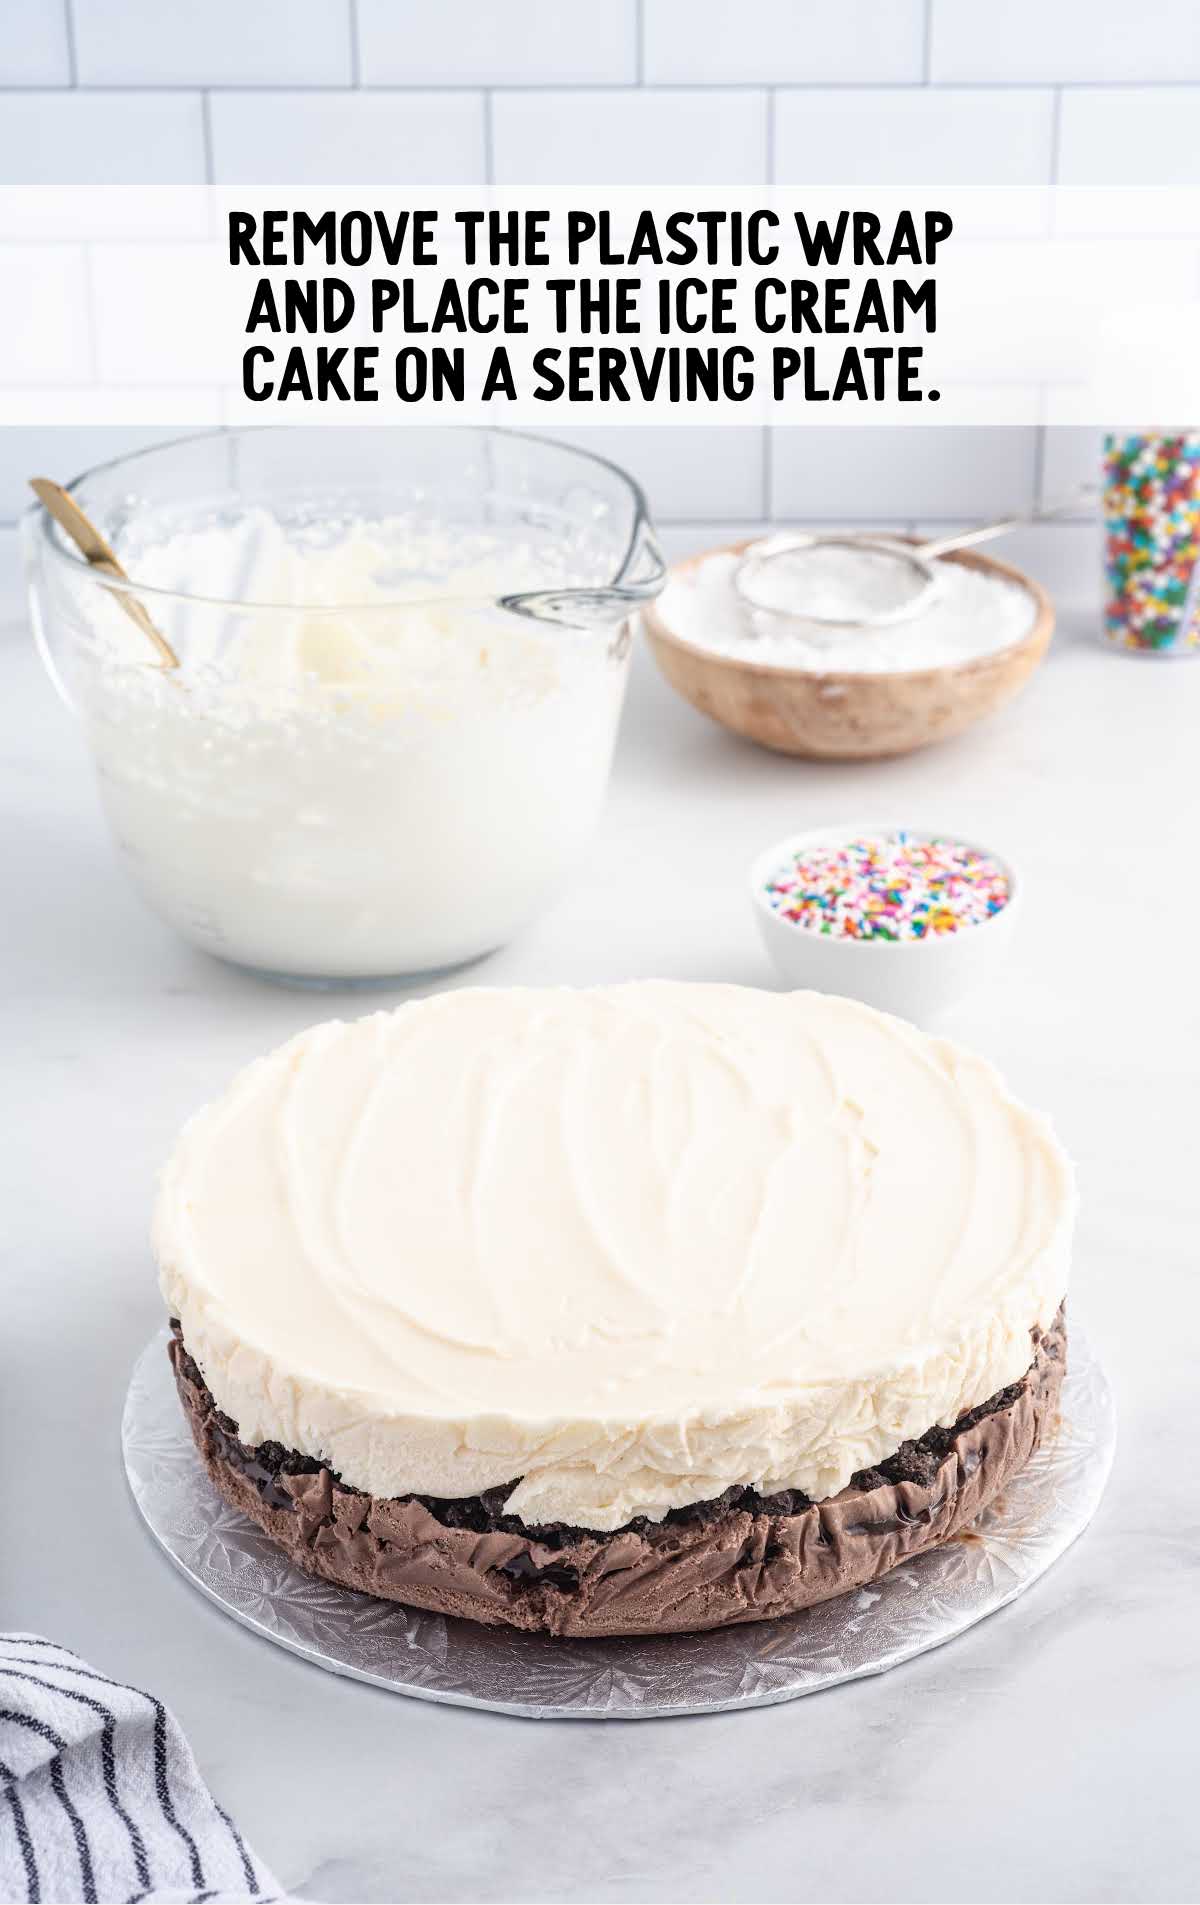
(402, 655)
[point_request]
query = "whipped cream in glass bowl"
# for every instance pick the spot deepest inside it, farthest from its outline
(402, 661)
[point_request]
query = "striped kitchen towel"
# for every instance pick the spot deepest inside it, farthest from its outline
(100, 1797)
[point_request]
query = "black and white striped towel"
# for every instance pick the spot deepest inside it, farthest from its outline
(100, 1797)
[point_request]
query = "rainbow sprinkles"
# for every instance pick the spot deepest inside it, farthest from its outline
(888, 886)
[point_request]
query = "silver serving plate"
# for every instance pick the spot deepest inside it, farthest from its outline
(920, 1604)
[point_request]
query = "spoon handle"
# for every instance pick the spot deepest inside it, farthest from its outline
(91, 544)
(966, 538)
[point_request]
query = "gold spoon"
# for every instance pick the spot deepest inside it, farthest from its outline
(87, 538)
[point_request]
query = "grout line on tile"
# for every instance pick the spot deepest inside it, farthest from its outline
(927, 46)
(206, 133)
(1039, 465)
(768, 473)
(489, 139)
(617, 87)
(639, 27)
(769, 117)
(355, 47)
(715, 526)
(1056, 135)
(72, 54)
(169, 87)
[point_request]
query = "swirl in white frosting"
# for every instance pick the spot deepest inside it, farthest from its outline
(625, 1247)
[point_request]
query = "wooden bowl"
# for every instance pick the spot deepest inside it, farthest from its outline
(850, 717)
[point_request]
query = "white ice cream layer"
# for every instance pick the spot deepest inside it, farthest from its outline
(623, 1247)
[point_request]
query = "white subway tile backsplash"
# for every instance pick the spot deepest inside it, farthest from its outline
(876, 473)
(399, 138)
(783, 42)
(222, 43)
(1068, 561)
(44, 329)
(642, 138)
(33, 43)
(899, 136)
(497, 42)
(848, 108)
(680, 540)
(710, 471)
(1067, 41)
(1129, 135)
(1072, 458)
(73, 138)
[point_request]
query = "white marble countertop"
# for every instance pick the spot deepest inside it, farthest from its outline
(1047, 1754)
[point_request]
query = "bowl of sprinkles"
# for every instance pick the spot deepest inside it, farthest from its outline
(906, 920)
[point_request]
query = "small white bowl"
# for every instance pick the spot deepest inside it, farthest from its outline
(914, 978)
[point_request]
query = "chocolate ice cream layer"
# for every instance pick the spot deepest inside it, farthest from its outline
(744, 1557)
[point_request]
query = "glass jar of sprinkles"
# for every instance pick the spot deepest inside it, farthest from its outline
(1152, 542)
